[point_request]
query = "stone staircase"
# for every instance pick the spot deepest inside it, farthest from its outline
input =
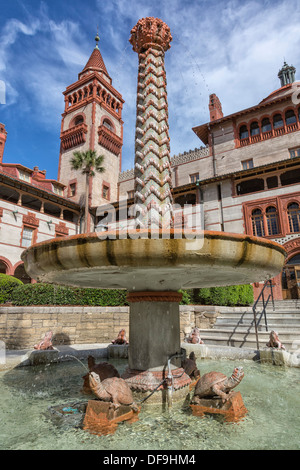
(235, 326)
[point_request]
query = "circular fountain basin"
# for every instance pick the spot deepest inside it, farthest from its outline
(154, 264)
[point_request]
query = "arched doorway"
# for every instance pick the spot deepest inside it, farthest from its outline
(21, 274)
(291, 278)
(3, 267)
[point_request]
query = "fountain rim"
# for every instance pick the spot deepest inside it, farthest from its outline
(141, 235)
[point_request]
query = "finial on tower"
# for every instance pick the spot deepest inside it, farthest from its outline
(286, 74)
(150, 32)
(97, 39)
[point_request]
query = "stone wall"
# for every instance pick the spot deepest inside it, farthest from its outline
(23, 327)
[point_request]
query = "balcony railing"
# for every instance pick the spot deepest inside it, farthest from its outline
(74, 136)
(253, 139)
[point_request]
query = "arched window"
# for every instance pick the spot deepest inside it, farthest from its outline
(294, 217)
(244, 132)
(254, 129)
(277, 121)
(78, 120)
(290, 117)
(108, 124)
(272, 221)
(266, 125)
(258, 223)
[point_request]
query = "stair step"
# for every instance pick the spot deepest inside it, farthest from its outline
(241, 342)
(283, 334)
(248, 321)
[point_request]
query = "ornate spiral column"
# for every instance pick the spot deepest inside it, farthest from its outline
(150, 38)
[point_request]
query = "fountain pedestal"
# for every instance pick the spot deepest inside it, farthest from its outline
(154, 338)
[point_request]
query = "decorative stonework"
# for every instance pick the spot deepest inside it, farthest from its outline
(30, 220)
(153, 199)
(150, 296)
(109, 140)
(61, 229)
(292, 246)
(74, 136)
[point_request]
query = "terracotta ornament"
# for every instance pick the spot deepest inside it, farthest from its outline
(121, 339)
(46, 343)
(216, 383)
(114, 390)
(194, 337)
(103, 369)
(190, 367)
(274, 341)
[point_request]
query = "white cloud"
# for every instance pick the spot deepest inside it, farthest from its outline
(233, 48)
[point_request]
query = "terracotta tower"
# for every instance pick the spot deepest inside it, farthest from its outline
(215, 107)
(3, 135)
(150, 38)
(92, 119)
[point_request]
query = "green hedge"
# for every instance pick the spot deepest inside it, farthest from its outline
(48, 294)
(227, 296)
(7, 286)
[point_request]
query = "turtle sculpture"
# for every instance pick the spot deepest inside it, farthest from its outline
(274, 341)
(114, 390)
(103, 369)
(217, 384)
(190, 367)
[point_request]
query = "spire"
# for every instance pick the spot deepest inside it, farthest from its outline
(286, 74)
(95, 62)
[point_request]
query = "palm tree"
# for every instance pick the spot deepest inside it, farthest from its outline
(87, 162)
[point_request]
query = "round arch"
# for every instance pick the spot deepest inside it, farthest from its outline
(20, 273)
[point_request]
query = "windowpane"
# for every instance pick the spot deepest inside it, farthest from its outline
(194, 178)
(246, 164)
(27, 236)
(277, 121)
(254, 129)
(244, 132)
(294, 217)
(266, 125)
(290, 117)
(272, 221)
(257, 223)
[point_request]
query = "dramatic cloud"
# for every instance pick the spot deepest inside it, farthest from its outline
(233, 48)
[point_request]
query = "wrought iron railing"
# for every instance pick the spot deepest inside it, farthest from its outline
(265, 300)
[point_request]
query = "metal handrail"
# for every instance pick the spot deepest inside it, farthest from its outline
(264, 311)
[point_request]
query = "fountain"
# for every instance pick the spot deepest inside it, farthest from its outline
(156, 260)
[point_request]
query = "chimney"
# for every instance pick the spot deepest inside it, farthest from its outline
(215, 108)
(38, 174)
(3, 135)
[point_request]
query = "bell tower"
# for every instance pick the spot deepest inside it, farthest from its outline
(92, 119)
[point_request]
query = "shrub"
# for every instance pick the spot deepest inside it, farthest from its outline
(7, 285)
(187, 297)
(48, 294)
(228, 295)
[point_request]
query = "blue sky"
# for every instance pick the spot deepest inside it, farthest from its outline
(233, 48)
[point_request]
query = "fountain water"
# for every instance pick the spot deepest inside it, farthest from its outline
(156, 262)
